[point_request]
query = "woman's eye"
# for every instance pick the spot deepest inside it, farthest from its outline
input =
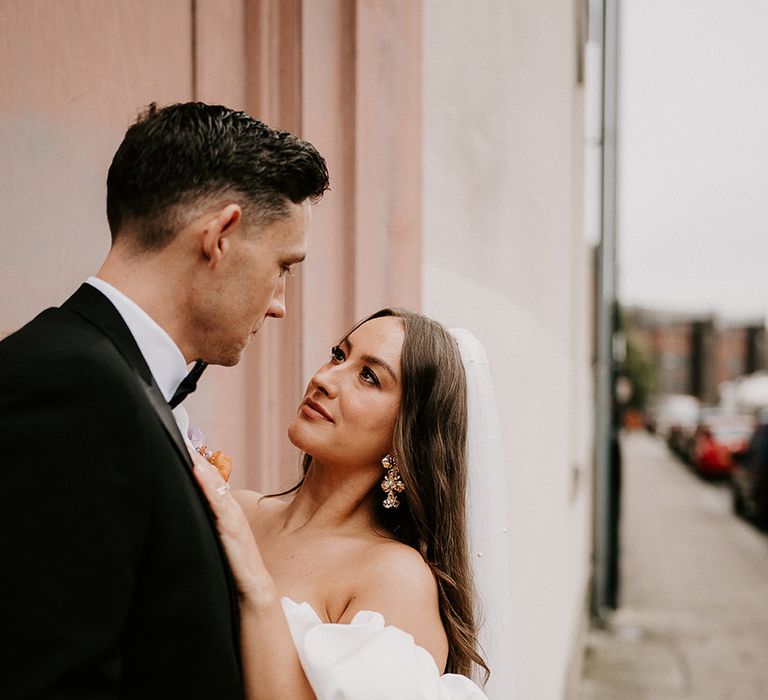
(337, 354)
(286, 270)
(369, 376)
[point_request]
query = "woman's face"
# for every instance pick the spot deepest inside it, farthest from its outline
(352, 402)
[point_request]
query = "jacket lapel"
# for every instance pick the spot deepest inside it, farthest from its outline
(92, 305)
(163, 411)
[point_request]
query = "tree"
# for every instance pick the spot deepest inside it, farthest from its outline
(641, 372)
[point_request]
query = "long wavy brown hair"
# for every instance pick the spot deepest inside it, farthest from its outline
(430, 444)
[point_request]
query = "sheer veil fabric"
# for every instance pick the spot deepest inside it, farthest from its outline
(487, 516)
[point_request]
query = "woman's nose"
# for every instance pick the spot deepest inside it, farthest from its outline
(326, 381)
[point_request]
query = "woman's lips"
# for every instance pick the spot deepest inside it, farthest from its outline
(312, 409)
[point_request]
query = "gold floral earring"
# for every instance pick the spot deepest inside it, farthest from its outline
(391, 485)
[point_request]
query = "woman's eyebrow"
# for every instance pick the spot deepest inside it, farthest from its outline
(372, 360)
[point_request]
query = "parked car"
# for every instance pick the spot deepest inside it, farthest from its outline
(669, 412)
(749, 479)
(715, 442)
(680, 439)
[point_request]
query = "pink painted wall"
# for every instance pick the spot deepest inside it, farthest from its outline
(74, 73)
(345, 75)
(361, 106)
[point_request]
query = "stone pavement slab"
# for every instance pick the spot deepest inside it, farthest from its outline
(693, 621)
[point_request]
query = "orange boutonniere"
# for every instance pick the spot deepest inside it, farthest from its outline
(218, 459)
(222, 462)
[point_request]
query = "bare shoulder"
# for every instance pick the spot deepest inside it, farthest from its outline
(252, 503)
(395, 581)
(394, 565)
(247, 498)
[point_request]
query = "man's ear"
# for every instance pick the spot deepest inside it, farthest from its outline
(217, 230)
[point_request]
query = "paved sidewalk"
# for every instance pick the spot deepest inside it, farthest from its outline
(693, 621)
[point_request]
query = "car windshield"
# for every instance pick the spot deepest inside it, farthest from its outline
(732, 433)
(731, 429)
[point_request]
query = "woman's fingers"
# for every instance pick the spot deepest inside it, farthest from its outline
(253, 580)
(208, 476)
(229, 516)
(223, 463)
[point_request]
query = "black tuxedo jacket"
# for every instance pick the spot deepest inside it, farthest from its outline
(113, 582)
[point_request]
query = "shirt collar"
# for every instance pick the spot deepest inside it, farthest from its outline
(162, 355)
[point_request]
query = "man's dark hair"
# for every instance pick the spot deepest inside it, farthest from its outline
(192, 154)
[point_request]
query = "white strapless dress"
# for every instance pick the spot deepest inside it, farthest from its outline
(369, 660)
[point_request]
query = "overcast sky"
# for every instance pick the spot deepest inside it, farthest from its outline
(693, 150)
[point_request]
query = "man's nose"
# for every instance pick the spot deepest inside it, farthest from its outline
(277, 305)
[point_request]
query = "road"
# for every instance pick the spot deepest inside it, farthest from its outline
(693, 619)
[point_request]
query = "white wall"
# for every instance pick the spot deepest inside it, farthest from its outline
(504, 257)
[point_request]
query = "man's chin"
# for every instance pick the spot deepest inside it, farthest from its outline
(227, 357)
(229, 361)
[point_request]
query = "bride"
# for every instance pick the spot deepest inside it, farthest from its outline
(356, 583)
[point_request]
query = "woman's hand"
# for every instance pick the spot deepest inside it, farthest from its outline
(254, 584)
(271, 666)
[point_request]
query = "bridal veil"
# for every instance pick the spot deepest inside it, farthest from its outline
(487, 516)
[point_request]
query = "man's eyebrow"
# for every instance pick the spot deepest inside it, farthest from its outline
(372, 360)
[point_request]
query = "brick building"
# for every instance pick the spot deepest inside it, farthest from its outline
(696, 353)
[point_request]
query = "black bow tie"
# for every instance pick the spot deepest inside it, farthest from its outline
(188, 384)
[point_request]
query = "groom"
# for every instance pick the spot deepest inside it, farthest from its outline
(114, 583)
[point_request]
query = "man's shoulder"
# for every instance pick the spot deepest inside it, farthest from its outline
(55, 330)
(75, 322)
(58, 341)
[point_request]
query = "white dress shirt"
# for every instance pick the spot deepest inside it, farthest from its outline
(162, 355)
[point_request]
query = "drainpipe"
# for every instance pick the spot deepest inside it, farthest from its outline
(603, 598)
